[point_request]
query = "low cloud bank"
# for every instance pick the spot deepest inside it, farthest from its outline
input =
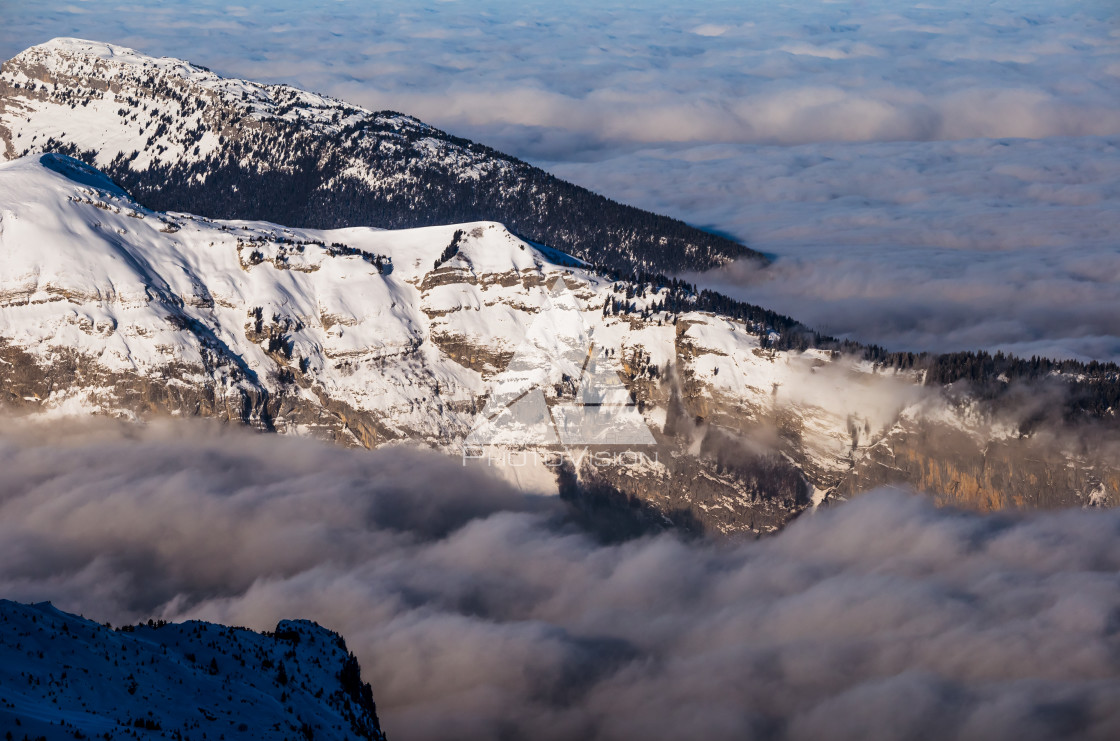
(481, 614)
(943, 246)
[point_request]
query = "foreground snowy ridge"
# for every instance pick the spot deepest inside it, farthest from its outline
(64, 677)
(371, 337)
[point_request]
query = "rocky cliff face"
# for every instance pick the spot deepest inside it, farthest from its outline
(468, 339)
(64, 677)
(989, 473)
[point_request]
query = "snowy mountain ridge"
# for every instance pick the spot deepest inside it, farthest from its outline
(182, 138)
(119, 67)
(373, 337)
(64, 677)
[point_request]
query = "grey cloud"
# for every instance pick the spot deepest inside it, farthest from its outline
(655, 73)
(1000, 244)
(880, 618)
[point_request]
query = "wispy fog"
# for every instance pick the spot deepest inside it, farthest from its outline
(931, 176)
(479, 614)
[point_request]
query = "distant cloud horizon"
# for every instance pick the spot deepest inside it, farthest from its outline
(523, 78)
(1009, 245)
(682, 109)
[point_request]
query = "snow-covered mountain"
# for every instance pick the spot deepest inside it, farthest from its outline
(64, 677)
(468, 339)
(182, 138)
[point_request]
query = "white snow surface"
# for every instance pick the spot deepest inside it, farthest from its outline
(178, 299)
(148, 108)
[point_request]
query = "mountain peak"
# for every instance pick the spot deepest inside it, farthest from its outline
(74, 56)
(181, 138)
(85, 47)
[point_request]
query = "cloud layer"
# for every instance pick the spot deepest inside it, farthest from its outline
(541, 78)
(999, 244)
(478, 613)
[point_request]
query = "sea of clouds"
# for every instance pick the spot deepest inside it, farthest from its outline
(479, 613)
(934, 176)
(555, 81)
(1004, 244)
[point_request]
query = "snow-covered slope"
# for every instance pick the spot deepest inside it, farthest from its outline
(111, 124)
(247, 307)
(462, 334)
(64, 677)
(183, 138)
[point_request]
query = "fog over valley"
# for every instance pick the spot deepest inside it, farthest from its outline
(477, 612)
